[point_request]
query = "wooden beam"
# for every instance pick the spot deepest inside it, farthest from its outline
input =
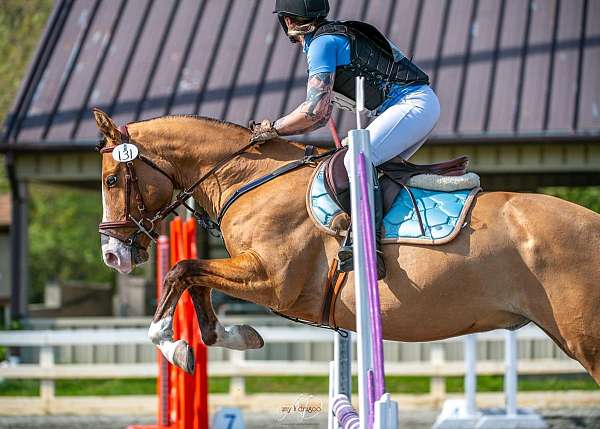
(59, 167)
(535, 158)
(524, 158)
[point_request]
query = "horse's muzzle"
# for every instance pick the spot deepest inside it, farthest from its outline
(117, 255)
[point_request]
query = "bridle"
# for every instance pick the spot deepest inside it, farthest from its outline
(146, 225)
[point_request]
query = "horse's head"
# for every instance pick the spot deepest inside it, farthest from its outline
(134, 190)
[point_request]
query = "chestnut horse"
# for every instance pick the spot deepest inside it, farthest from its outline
(522, 258)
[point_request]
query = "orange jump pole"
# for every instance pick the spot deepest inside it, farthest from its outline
(163, 387)
(182, 398)
(200, 381)
(192, 390)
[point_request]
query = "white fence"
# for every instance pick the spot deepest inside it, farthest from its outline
(239, 365)
(297, 348)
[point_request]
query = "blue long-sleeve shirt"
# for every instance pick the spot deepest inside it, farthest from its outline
(325, 53)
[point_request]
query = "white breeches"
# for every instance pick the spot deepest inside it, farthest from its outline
(403, 127)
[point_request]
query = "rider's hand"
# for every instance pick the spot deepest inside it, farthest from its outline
(263, 131)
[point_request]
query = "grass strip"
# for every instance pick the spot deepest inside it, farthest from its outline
(309, 385)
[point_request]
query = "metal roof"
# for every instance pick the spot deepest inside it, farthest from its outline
(502, 69)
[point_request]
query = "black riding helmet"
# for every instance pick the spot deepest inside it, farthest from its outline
(304, 9)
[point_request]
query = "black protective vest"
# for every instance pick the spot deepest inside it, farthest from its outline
(371, 56)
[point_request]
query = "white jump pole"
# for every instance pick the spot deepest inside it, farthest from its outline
(512, 417)
(470, 374)
(340, 373)
(510, 373)
(463, 413)
(332, 422)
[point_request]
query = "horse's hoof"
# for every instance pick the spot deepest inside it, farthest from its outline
(251, 337)
(183, 357)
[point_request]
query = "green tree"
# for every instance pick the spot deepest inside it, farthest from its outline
(64, 243)
(585, 196)
(63, 238)
(4, 186)
(21, 24)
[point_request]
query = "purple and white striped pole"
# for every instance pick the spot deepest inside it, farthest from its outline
(367, 225)
(376, 409)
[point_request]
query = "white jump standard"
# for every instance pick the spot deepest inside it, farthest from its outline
(463, 414)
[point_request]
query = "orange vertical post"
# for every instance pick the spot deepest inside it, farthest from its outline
(163, 380)
(176, 374)
(182, 398)
(200, 381)
(192, 390)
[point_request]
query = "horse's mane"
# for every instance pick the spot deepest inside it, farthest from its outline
(197, 117)
(218, 122)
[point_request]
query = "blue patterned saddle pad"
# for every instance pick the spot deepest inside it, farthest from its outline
(443, 213)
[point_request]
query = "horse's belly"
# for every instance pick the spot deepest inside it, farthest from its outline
(428, 303)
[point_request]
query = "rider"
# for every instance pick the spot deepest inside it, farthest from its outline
(397, 92)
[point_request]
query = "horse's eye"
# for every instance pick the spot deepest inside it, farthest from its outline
(111, 181)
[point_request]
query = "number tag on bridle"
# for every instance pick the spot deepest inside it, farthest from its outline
(125, 152)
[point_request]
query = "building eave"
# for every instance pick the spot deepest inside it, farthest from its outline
(56, 147)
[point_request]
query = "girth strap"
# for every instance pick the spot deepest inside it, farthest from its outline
(335, 280)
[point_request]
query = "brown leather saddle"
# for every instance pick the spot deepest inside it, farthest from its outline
(393, 175)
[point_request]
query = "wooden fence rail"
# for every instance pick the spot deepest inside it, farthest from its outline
(539, 348)
(237, 366)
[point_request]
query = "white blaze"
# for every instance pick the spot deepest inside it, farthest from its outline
(115, 247)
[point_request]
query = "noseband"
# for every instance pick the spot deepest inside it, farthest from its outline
(146, 225)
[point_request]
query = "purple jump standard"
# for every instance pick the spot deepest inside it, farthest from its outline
(366, 221)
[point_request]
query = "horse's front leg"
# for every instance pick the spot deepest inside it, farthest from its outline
(242, 276)
(179, 353)
(236, 337)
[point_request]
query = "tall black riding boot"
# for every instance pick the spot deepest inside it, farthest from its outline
(378, 197)
(345, 254)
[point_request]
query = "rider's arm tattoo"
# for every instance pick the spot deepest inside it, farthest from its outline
(314, 112)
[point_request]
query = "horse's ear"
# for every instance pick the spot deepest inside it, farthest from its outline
(106, 125)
